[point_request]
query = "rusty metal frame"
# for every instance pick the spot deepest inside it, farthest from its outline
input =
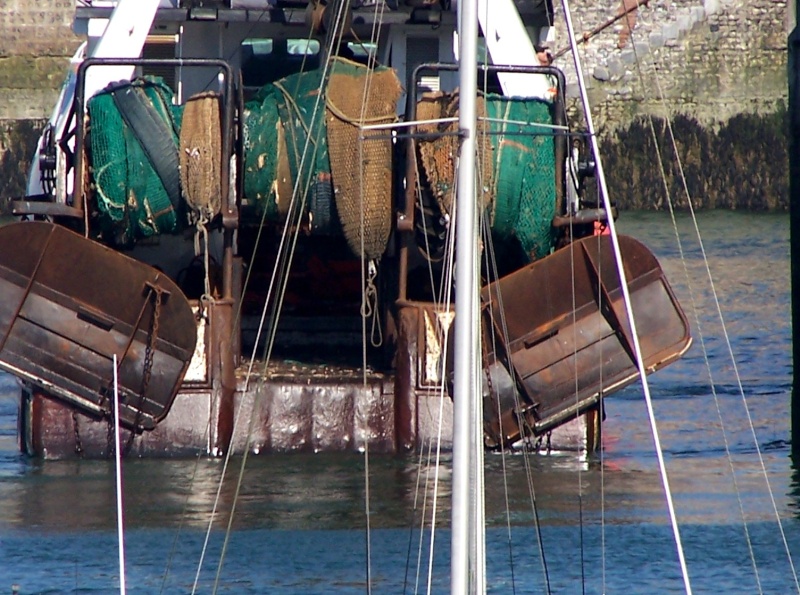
(405, 218)
(230, 199)
(79, 107)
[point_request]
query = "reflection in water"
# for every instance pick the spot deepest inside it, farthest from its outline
(299, 520)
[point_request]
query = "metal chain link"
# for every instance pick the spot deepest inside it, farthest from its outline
(147, 370)
(76, 431)
(148, 366)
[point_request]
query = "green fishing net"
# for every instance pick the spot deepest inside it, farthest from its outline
(131, 200)
(524, 172)
(279, 123)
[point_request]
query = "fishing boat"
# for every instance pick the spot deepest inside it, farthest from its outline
(249, 204)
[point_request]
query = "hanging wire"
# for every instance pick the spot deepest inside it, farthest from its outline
(491, 265)
(599, 414)
(491, 268)
(366, 282)
(726, 336)
(444, 305)
(421, 461)
(695, 311)
(285, 256)
(626, 295)
(237, 317)
(497, 318)
(207, 429)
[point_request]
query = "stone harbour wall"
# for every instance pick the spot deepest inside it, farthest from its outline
(712, 75)
(709, 59)
(716, 67)
(36, 42)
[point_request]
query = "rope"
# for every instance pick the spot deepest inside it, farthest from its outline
(487, 238)
(695, 311)
(439, 302)
(369, 292)
(285, 256)
(573, 179)
(626, 295)
(238, 313)
(735, 371)
(362, 119)
(447, 275)
(491, 265)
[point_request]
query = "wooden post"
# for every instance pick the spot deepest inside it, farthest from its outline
(794, 218)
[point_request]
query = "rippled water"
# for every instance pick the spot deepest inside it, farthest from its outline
(299, 523)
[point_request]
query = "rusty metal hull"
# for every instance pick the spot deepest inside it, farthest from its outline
(292, 410)
(293, 407)
(564, 333)
(311, 410)
(68, 305)
(296, 407)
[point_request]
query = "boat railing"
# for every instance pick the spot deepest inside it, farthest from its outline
(228, 198)
(407, 214)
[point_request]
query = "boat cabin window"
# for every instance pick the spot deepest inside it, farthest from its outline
(161, 47)
(268, 60)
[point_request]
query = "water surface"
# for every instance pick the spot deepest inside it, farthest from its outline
(299, 524)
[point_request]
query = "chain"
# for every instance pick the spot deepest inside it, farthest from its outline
(76, 431)
(148, 365)
(146, 374)
(369, 309)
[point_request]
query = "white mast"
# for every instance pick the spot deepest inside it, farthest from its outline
(467, 561)
(118, 473)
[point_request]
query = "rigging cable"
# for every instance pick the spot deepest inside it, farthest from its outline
(344, 5)
(725, 334)
(596, 416)
(695, 311)
(448, 275)
(626, 294)
(491, 265)
(492, 272)
(422, 456)
(285, 256)
(237, 318)
(526, 454)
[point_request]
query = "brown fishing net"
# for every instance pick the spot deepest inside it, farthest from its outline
(438, 156)
(516, 165)
(362, 170)
(201, 153)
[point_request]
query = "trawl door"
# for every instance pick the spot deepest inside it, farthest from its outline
(68, 305)
(565, 335)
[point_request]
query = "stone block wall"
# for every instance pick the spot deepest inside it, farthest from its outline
(36, 41)
(712, 58)
(708, 59)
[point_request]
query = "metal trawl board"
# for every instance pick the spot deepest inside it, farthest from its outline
(69, 304)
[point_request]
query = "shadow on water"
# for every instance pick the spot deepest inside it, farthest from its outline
(794, 486)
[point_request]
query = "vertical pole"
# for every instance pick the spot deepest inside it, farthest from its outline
(118, 467)
(466, 571)
(794, 222)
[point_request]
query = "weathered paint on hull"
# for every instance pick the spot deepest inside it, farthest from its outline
(294, 407)
(289, 417)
